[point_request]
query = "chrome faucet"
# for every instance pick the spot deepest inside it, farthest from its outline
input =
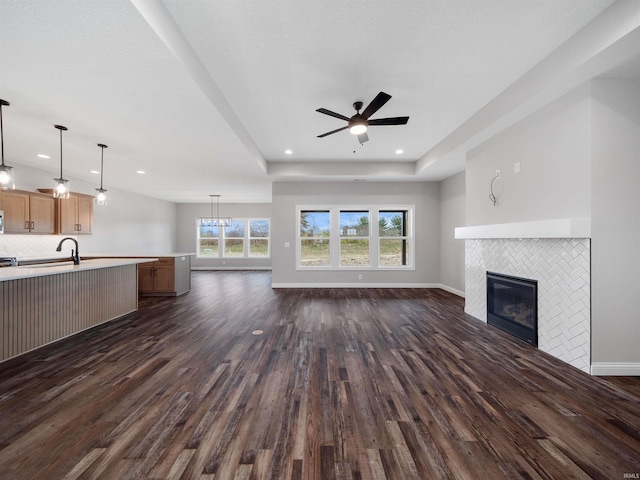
(75, 257)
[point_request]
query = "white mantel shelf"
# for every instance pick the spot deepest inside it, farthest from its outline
(556, 228)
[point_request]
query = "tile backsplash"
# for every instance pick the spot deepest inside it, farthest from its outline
(33, 246)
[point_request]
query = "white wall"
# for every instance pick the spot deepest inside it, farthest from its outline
(128, 224)
(187, 213)
(554, 152)
(579, 158)
(425, 197)
(615, 221)
(452, 215)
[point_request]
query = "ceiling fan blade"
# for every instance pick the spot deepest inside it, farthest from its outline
(363, 137)
(333, 131)
(376, 104)
(389, 121)
(332, 114)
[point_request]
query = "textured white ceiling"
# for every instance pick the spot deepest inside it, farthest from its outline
(206, 95)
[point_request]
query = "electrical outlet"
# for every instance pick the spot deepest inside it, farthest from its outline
(516, 167)
(497, 173)
(359, 276)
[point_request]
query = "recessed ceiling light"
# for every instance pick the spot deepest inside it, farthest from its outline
(95, 171)
(42, 155)
(399, 151)
(288, 151)
(140, 172)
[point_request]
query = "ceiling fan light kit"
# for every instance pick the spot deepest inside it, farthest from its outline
(359, 123)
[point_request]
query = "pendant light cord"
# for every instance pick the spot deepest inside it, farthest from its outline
(101, 165)
(60, 154)
(2, 131)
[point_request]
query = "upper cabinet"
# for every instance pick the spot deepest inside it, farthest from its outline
(75, 214)
(27, 212)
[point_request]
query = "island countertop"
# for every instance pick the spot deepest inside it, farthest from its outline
(45, 269)
(138, 255)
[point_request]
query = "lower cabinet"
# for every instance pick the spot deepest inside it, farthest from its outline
(170, 276)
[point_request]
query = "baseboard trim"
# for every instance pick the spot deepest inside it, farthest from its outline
(355, 285)
(249, 269)
(455, 291)
(615, 369)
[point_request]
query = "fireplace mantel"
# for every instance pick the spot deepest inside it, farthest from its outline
(556, 228)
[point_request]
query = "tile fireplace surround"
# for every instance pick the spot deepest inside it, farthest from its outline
(557, 254)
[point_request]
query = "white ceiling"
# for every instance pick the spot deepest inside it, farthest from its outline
(205, 96)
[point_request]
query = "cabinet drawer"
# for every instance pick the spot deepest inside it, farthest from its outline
(165, 262)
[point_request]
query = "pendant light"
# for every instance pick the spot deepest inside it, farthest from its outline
(7, 180)
(214, 221)
(101, 197)
(60, 185)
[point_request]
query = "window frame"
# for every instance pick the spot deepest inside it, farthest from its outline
(374, 236)
(300, 238)
(354, 237)
(246, 238)
(249, 238)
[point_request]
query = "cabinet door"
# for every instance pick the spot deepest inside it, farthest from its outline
(67, 215)
(16, 212)
(85, 214)
(164, 279)
(42, 214)
(145, 277)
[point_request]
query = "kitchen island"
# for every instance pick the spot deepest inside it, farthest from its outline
(169, 274)
(40, 304)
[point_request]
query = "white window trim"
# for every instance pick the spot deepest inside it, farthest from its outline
(374, 237)
(245, 242)
(249, 238)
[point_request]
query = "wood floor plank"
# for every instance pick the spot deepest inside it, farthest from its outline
(347, 384)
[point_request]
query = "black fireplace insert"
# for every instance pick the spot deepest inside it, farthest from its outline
(512, 306)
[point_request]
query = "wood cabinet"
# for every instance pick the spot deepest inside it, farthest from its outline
(28, 212)
(169, 276)
(75, 214)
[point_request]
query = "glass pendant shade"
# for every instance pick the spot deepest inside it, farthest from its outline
(60, 185)
(101, 197)
(60, 188)
(214, 221)
(7, 178)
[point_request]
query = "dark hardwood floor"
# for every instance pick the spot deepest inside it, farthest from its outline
(342, 383)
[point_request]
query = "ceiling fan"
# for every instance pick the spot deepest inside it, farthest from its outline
(359, 123)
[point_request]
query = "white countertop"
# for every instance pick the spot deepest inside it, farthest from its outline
(139, 255)
(29, 271)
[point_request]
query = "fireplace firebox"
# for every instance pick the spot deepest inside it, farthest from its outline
(512, 306)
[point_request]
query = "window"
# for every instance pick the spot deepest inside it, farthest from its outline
(354, 237)
(314, 238)
(394, 242)
(234, 239)
(342, 237)
(243, 238)
(258, 238)
(208, 242)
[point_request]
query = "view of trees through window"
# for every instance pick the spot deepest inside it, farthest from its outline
(314, 238)
(391, 239)
(242, 238)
